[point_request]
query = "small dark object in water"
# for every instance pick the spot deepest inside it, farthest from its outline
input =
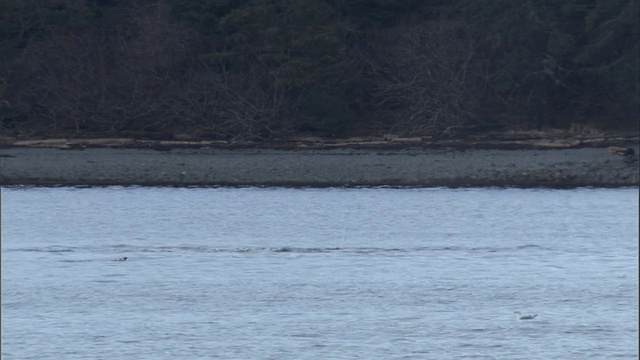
(122, 259)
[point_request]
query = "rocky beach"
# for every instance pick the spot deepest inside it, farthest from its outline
(399, 162)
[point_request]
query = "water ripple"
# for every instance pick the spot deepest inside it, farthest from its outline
(122, 248)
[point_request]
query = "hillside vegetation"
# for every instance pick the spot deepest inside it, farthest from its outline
(259, 69)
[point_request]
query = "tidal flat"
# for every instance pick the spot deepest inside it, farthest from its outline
(409, 166)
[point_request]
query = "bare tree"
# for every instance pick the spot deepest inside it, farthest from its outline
(235, 105)
(429, 79)
(120, 73)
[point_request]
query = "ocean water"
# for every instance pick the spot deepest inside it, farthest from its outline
(273, 273)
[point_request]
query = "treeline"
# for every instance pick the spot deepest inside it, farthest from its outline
(232, 69)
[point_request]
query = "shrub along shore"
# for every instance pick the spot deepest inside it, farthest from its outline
(263, 69)
(308, 163)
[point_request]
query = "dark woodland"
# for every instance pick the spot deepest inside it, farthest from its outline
(260, 69)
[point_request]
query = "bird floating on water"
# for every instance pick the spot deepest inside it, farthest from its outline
(121, 259)
(519, 316)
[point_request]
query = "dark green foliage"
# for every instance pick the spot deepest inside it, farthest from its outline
(375, 14)
(259, 68)
(562, 62)
(328, 112)
(26, 21)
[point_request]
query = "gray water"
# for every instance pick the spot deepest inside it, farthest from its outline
(255, 273)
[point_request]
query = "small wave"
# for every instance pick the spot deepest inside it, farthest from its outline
(122, 248)
(529, 246)
(48, 249)
(303, 250)
(589, 330)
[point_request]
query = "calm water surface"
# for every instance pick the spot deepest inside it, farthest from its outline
(319, 273)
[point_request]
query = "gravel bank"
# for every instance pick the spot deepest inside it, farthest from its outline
(318, 168)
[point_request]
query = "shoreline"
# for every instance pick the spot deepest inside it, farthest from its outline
(500, 141)
(401, 165)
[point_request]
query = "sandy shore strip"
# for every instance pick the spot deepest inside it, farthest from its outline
(575, 167)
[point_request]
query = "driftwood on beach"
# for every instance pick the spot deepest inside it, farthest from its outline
(619, 150)
(312, 142)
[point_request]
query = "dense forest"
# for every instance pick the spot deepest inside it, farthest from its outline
(258, 69)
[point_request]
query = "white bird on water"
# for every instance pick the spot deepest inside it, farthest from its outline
(519, 316)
